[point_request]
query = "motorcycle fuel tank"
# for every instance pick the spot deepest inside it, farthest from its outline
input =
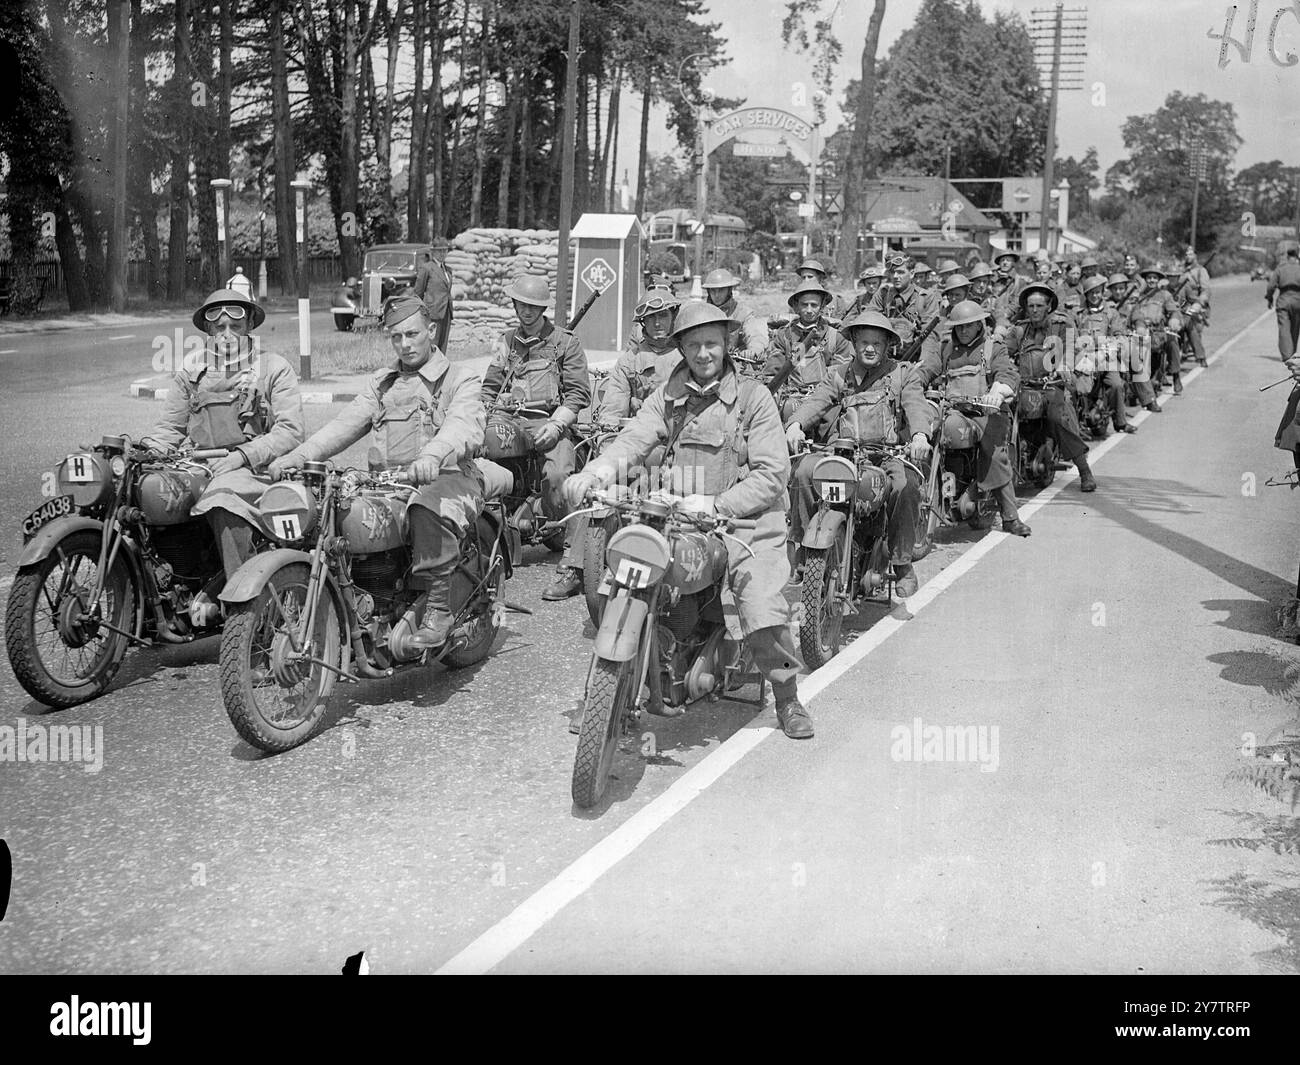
(167, 496)
(506, 438)
(374, 523)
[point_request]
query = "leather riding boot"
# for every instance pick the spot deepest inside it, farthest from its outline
(795, 721)
(435, 550)
(1087, 483)
(438, 617)
(234, 538)
(1011, 522)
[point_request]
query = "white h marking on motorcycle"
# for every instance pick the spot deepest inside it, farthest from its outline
(288, 525)
(79, 468)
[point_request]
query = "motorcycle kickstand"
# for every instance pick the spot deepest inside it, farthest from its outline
(517, 608)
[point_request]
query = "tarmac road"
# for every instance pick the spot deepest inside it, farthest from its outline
(432, 808)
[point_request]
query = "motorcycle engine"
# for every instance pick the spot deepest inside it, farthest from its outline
(379, 577)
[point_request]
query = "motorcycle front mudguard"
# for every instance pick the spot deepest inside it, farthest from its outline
(47, 536)
(823, 530)
(621, 625)
(253, 575)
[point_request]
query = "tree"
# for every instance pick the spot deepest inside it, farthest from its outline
(1267, 189)
(1082, 176)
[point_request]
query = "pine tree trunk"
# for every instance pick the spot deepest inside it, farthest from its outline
(609, 156)
(453, 184)
(435, 125)
(480, 127)
(525, 147)
(415, 161)
(349, 137)
(285, 162)
(205, 152)
(143, 202)
(179, 187)
(858, 165)
(507, 150)
(646, 86)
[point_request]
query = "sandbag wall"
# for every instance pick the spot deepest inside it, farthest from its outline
(482, 263)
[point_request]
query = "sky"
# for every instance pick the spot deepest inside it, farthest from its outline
(1138, 52)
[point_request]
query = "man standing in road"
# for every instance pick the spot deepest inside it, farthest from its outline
(433, 286)
(1284, 291)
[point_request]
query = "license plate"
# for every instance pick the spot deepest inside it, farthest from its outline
(58, 507)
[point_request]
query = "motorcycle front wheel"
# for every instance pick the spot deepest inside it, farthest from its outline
(611, 691)
(60, 655)
(593, 566)
(276, 701)
(823, 620)
(928, 521)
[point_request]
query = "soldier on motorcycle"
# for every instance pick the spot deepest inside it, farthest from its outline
(981, 291)
(874, 400)
(1007, 283)
(1039, 344)
(974, 364)
(814, 270)
(905, 304)
(426, 414)
(751, 337)
(1121, 297)
(869, 282)
(1154, 310)
(647, 362)
(724, 443)
(803, 352)
(926, 279)
(234, 396)
(1099, 322)
(547, 368)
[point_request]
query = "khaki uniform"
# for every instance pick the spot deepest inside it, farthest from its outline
(887, 405)
(252, 406)
(751, 339)
(728, 444)
(969, 371)
(910, 313)
(1096, 327)
(1033, 347)
(1153, 309)
(1284, 284)
(800, 359)
(637, 373)
(548, 372)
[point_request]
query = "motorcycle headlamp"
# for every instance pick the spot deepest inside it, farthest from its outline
(835, 479)
(288, 511)
(638, 556)
(118, 465)
(86, 477)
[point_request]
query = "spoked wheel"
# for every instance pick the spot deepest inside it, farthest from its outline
(928, 520)
(479, 631)
(275, 699)
(819, 634)
(593, 567)
(60, 653)
(611, 692)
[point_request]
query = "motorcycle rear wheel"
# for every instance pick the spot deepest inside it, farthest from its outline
(276, 706)
(482, 629)
(823, 620)
(611, 692)
(60, 662)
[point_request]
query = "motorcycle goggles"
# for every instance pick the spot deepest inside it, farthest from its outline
(655, 304)
(232, 310)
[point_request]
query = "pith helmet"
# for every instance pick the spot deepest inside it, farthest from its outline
(531, 290)
(1046, 290)
(965, 312)
(225, 297)
(721, 278)
(868, 319)
(805, 287)
(697, 313)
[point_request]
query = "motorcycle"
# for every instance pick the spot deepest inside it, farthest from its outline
(332, 600)
(950, 492)
(1033, 447)
(114, 560)
(845, 549)
(603, 521)
(344, 304)
(662, 629)
(509, 443)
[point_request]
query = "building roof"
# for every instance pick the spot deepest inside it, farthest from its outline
(604, 226)
(921, 199)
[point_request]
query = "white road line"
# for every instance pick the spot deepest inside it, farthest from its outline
(508, 934)
(129, 336)
(9, 351)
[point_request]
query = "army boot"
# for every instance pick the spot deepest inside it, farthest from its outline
(438, 619)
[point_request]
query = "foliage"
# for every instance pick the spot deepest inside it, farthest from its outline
(1268, 189)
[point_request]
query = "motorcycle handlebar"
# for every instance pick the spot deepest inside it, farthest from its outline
(209, 453)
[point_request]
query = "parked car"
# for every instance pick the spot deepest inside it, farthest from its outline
(387, 270)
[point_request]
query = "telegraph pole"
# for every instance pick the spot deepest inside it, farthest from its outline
(1060, 47)
(562, 285)
(1198, 175)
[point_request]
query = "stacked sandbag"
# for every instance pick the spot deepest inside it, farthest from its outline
(483, 263)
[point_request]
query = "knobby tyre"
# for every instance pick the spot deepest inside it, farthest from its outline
(593, 568)
(275, 704)
(59, 660)
(819, 634)
(480, 630)
(611, 691)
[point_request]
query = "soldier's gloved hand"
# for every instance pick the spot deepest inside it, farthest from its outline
(1293, 364)
(425, 470)
(919, 449)
(576, 486)
(794, 436)
(699, 504)
(231, 462)
(547, 436)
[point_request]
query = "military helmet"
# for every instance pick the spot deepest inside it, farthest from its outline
(980, 269)
(947, 266)
(869, 319)
(813, 264)
(1090, 283)
(1116, 279)
(1013, 256)
(921, 268)
(1089, 261)
(721, 278)
(696, 313)
(225, 297)
(965, 312)
(1037, 286)
(653, 301)
(805, 287)
(531, 290)
(874, 270)
(953, 281)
